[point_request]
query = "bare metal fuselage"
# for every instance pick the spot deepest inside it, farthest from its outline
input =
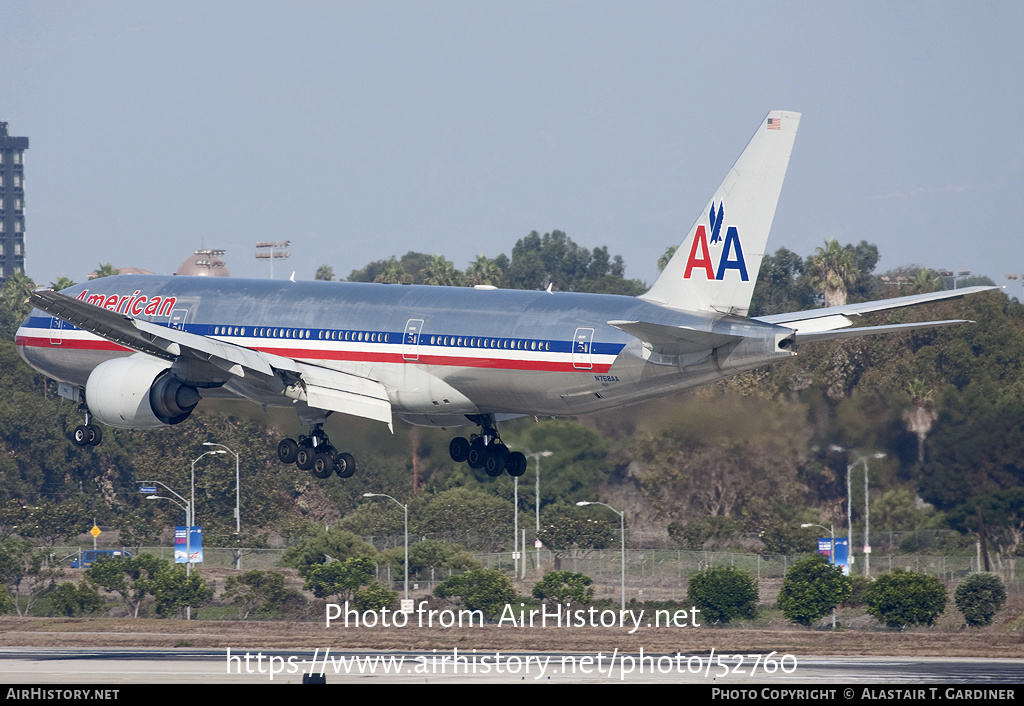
(440, 352)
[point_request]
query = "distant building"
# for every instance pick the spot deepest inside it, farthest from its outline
(12, 203)
(204, 263)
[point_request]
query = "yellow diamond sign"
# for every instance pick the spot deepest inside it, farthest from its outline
(95, 531)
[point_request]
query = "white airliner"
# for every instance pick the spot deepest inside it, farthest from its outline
(141, 351)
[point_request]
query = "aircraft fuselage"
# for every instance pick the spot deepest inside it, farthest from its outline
(440, 352)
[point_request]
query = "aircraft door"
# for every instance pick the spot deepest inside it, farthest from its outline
(56, 337)
(582, 343)
(411, 339)
(178, 317)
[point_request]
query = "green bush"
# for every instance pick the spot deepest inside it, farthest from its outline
(486, 590)
(811, 589)
(904, 598)
(374, 596)
(979, 597)
(564, 586)
(723, 594)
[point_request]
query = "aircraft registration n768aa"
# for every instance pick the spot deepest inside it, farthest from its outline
(141, 351)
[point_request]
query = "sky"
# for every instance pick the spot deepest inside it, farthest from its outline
(362, 130)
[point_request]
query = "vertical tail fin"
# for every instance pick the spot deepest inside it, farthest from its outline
(716, 266)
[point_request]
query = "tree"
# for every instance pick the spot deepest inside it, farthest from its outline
(338, 578)
(441, 272)
(14, 306)
(375, 596)
(484, 270)
(62, 283)
(130, 577)
(324, 273)
(563, 587)
(174, 589)
(723, 594)
(663, 261)
(486, 590)
(831, 270)
(903, 598)
(104, 270)
(335, 544)
(812, 589)
(25, 573)
(979, 597)
(256, 592)
(429, 554)
(571, 531)
(73, 601)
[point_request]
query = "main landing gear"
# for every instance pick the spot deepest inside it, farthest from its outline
(486, 450)
(87, 434)
(315, 454)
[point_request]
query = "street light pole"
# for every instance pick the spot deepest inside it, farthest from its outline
(238, 512)
(187, 507)
(406, 509)
(863, 458)
(622, 552)
(536, 457)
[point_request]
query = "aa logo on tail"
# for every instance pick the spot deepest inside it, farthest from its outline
(729, 255)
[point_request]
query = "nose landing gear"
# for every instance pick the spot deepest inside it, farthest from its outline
(87, 434)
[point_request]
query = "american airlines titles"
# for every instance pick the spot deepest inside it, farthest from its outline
(131, 304)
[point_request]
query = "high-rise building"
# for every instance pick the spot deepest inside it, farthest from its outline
(12, 203)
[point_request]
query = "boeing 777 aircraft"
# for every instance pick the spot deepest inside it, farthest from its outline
(141, 351)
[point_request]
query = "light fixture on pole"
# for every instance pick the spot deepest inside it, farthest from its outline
(863, 458)
(187, 507)
(622, 530)
(536, 457)
(405, 508)
(238, 514)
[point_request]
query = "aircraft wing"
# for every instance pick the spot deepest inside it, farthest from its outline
(322, 388)
(828, 323)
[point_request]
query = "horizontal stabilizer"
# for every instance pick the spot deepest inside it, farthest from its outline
(812, 336)
(802, 320)
(674, 340)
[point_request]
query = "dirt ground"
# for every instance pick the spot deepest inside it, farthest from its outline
(121, 632)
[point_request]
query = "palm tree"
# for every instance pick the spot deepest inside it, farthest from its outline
(441, 272)
(62, 283)
(921, 414)
(393, 273)
(484, 270)
(925, 281)
(104, 270)
(830, 270)
(324, 273)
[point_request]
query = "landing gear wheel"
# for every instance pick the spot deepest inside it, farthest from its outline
(305, 457)
(477, 455)
(323, 465)
(494, 461)
(95, 435)
(459, 449)
(81, 435)
(287, 450)
(515, 464)
(344, 465)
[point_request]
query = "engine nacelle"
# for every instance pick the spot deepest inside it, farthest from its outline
(138, 392)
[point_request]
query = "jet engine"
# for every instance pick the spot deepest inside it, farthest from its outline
(138, 392)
